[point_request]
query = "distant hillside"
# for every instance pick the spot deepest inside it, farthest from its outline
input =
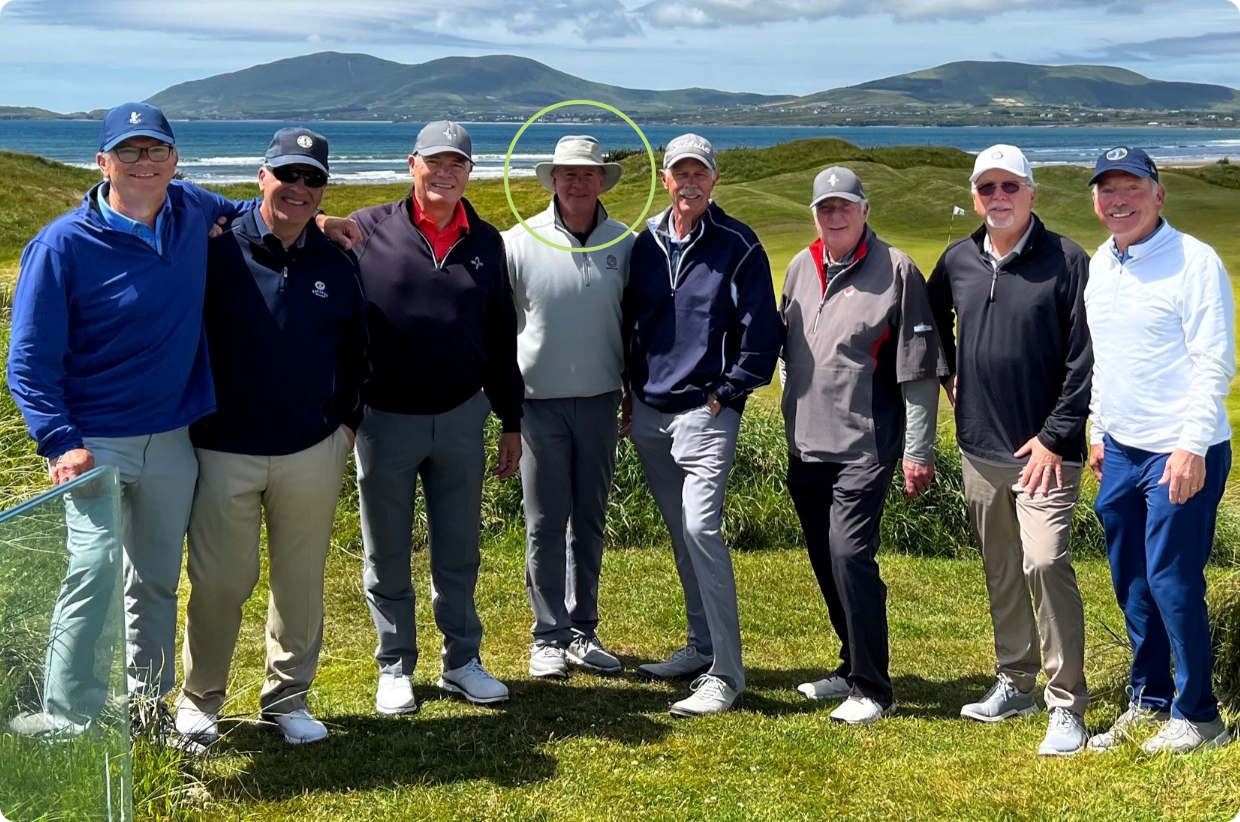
(994, 83)
(332, 85)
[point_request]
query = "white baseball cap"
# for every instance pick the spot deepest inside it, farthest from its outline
(1004, 158)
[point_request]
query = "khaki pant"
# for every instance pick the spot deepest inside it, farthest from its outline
(1024, 542)
(298, 493)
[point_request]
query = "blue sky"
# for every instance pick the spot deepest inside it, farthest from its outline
(71, 55)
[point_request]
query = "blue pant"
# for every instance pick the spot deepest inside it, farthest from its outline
(1158, 553)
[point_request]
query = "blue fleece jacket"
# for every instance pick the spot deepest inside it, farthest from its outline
(704, 324)
(107, 336)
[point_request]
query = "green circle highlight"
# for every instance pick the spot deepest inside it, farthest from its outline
(654, 177)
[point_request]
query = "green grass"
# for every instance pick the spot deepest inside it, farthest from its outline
(596, 748)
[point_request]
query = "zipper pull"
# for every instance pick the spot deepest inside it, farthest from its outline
(284, 278)
(817, 315)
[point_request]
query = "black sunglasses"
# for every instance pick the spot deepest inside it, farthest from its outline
(132, 154)
(313, 178)
(1008, 186)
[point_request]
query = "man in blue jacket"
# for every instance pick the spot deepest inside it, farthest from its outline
(286, 328)
(108, 365)
(703, 333)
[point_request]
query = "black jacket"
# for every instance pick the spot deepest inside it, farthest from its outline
(440, 330)
(1021, 348)
(286, 332)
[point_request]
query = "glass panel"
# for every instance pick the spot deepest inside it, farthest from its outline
(64, 718)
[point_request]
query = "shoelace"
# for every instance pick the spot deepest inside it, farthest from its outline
(680, 654)
(708, 687)
(1002, 685)
(474, 667)
(1062, 718)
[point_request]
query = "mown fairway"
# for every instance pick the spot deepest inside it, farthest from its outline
(604, 748)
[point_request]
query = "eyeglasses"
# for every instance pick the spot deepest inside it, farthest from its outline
(1008, 186)
(132, 154)
(313, 178)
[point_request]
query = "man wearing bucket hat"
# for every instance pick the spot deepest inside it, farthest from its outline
(286, 330)
(443, 355)
(1160, 311)
(862, 360)
(702, 334)
(1021, 359)
(570, 350)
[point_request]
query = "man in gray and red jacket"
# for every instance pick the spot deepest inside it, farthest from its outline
(862, 360)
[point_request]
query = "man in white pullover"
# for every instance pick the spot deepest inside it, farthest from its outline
(1160, 312)
(571, 356)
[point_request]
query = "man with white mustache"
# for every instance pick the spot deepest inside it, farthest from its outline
(1020, 359)
(1163, 323)
(702, 334)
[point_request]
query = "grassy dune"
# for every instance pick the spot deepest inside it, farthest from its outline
(604, 748)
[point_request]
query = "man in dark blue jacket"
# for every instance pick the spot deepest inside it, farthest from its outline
(286, 330)
(703, 333)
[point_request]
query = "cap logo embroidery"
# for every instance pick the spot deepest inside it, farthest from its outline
(998, 155)
(305, 141)
(1117, 154)
(450, 132)
(833, 180)
(135, 118)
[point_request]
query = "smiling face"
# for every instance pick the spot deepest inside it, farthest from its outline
(142, 181)
(439, 180)
(1128, 205)
(840, 224)
(689, 183)
(1001, 209)
(577, 188)
(292, 203)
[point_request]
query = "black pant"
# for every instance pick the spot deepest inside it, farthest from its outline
(840, 507)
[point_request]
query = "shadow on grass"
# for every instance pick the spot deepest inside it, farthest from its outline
(505, 746)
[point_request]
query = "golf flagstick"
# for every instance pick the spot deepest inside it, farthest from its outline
(957, 211)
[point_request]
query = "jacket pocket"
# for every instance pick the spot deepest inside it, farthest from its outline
(830, 411)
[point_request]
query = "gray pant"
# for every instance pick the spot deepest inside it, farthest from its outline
(567, 461)
(446, 451)
(157, 475)
(687, 458)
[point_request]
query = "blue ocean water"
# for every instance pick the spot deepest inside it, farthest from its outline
(220, 152)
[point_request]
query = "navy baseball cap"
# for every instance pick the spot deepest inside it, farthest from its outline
(1121, 158)
(134, 120)
(297, 146)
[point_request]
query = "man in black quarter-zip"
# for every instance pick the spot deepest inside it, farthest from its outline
(443, 355)
(1020, 362)
(286, 332)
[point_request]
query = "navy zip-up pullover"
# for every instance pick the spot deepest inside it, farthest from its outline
(107, 335)
(704, 325)
(440, 330)
(1020, 344)
(286, 330)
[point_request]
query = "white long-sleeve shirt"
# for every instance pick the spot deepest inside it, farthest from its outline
(1163, 327)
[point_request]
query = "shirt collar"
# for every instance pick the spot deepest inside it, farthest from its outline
(665, 227)
(265, 232)
(1128, 252)
(459, 221)
(119, 222)
(995, 259)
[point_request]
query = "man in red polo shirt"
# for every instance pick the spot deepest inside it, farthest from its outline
(443, 350)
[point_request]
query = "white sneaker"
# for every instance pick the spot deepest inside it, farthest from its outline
(197, 726)
(684, 662)
(548, 662)
(832, 687)
(1180, 736)
(861, 710)
(298, 727)
(43, 724)
(709, 695)
(395, 695)
(1126, 726)
(473, 682)
(588, 653)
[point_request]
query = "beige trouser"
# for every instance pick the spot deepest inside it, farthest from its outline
(298, 492)
(1024, 542)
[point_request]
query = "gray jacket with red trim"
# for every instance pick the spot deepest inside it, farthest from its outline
(848, 347)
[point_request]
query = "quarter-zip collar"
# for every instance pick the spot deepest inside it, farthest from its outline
(464, 220)
(676, 248)
(117, 221)
(1137, 249)
(268, 238)
(818, 250)
(600, 217)
(1031, 240)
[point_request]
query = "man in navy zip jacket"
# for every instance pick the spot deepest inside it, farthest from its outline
(286, 330)
(108, 365)
(702, 333)
(443, 355)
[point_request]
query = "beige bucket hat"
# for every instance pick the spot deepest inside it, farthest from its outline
(578, 150)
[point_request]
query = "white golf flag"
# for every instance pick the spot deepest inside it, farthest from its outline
(957, 211)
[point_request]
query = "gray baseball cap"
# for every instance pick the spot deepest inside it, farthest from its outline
(443, 136)
(837, 181)
(689, 145)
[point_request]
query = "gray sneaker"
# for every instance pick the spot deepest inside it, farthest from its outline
(588, 653)
(1181, 736)
(831, 687)
(547, 662)
(1065, 734)
(1003, 701)
(1127, 724)
(685, 662)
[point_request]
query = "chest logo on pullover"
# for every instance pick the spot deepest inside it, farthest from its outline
(320, 289)
(476, 262)
(612, 262)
